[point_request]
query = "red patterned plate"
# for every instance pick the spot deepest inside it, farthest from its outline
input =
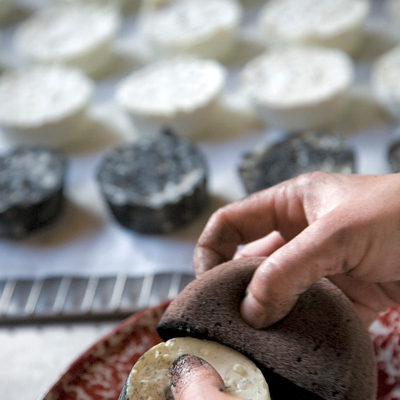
(100, 372)
(385, 333)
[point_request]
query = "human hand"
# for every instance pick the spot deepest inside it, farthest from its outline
(345, 227)
(192, 377)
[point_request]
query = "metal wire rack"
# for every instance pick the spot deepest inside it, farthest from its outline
(63, 298)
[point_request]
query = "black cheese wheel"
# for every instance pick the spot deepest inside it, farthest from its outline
(320, 350)
(267, 165)
(31, 189)
(155, 185)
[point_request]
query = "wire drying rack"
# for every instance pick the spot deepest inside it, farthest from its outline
(74, 298)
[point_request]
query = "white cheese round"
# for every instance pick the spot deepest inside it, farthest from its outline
(149, 377)
(386, 80)
(179, 93)
(204, 28)
(43, 104)
(73, 33)
(299, 87)
(333, 23)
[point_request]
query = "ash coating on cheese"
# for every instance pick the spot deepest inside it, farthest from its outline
(61, 32)
(311, 21)
(31, 189)
(185, 24)
(149, 378)
(167, 88)
(39, 95)
(386, 80)
(267, 165)
(155, 185)
(297, 76)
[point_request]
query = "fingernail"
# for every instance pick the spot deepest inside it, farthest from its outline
(253, 312)
(192, 377)
(182, 365)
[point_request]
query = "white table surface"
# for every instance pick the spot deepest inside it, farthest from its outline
(33, 357)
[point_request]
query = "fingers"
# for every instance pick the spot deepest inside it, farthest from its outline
(192, 377)
(262, 247)
(319, 250)
(247, 220)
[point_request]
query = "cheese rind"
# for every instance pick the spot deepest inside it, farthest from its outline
(179, 93)
(149, 376)
(204, 28)
(386, 80)
(299, 87)
(329, 23)
(44, 105)
(60, 34)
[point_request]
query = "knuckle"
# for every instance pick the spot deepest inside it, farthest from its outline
(311, 179)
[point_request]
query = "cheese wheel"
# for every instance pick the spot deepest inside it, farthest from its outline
(155, 185)
(149, 378)
(267, 165)
(31, 190)
(45, 105)
(298, 88)
(204, 28)
(386, 80)
(329, 23)
(180, 93)
(76, 34)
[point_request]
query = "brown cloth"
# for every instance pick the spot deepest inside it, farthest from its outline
(321, 350)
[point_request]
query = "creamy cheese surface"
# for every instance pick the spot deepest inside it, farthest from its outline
(297, 76)
(39, 95)
(169, 87)
(66, 31)
(289, 20)
(386, 79)
(149, 377)
(337, 24)
(185, 23)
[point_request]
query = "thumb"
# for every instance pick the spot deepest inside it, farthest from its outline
(192, 377)
(319, 250)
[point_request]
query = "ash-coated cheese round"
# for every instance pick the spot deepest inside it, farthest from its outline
(155, 185)
(386, 80)
(75, 33)
(337, 23)
(180, 93)
(268, 165)
(204, 28)
(44, 104)
(149, 379)
(299, 88)
(31, 189)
